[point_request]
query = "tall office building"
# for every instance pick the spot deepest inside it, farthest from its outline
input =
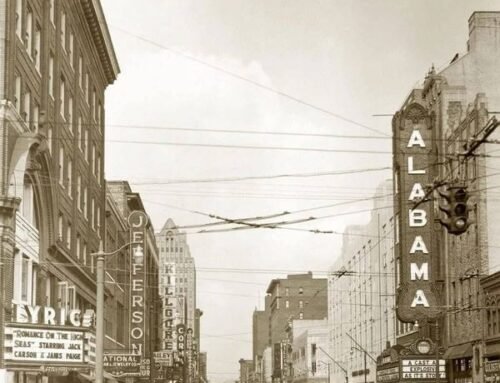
(174, 250)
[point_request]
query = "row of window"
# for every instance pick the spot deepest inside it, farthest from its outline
(65, 233)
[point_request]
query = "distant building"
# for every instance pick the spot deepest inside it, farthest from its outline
(308, 360)
(246, 371)
(361, 290)
(298, 296)
(174, 250)
(202, 370)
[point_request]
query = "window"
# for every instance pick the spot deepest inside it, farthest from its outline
(85, 200)
(301, 304)
(70, 177)
(36, 52)
(27, 108)
(62, 97)
(51, 75)
(71, 47)
(25, 276)
(98, 214)
(70, 114)
(63, 30)
(68, 236)
(79, 192)
(61, 166)
(86, 89)
(79, 132)
(17, 93)
(29, 33)
(60, 227)
(80, 71)
(98, 169)
(84, 253)
(301, 315)
(301, 290)
(78, 246)
(99, 116)
(66, 296)
(36, 118)
(52, 11)
(86, 144)
(92, 211)
(93, 105)
(19, 18)
(49, 138)
(287, 304)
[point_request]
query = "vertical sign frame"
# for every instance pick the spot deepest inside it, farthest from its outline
(138, 221)
(418, 261)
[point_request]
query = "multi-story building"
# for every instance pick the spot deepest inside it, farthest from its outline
(456, 104)
(174, 250)
(260, 339)
(178, 292)
(202, 371)
(361, 292)
(56, 60)
(246, 371)
(308, 361)
(298, 296)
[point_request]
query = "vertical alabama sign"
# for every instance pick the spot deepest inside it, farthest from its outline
(138, 280)
(414, 159)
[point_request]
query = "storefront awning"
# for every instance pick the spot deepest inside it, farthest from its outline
(459, 351)
(492, 350)
(108, 378)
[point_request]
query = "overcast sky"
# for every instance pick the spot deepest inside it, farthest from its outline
(303, 66)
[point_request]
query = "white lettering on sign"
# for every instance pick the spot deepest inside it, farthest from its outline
(421, 272)
(420, 299)
(138, 279)
(411, 169)
(419, 245)
(416, 139)
(417, 217)
(417, 192)
(43, 345)
(47, 315)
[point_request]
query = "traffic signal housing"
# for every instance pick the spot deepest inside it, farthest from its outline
(456, 209)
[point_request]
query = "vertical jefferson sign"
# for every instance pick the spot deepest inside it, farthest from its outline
(138, 280)
(414, 156)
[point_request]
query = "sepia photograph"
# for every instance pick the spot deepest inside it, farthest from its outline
(249, 191)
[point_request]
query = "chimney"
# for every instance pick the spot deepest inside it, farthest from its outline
(484, 32)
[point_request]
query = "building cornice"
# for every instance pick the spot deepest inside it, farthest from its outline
(102, 39)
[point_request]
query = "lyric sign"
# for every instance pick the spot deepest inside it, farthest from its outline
(414, 154)
(138, 280)
(43, 345)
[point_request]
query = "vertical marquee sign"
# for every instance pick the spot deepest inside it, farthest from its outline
(138, 280)
(418, 260)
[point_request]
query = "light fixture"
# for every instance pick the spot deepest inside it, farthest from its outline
(424, 346)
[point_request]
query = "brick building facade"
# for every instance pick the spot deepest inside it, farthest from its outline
(457, 102)
(56, 60)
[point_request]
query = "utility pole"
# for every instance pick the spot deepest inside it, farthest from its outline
(99, 333)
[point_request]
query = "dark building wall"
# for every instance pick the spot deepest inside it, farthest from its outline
(260, 324)
(297, 297)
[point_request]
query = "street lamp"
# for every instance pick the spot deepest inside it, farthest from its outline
(99, 333)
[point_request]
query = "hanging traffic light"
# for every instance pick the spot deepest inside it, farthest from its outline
(456, 209)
